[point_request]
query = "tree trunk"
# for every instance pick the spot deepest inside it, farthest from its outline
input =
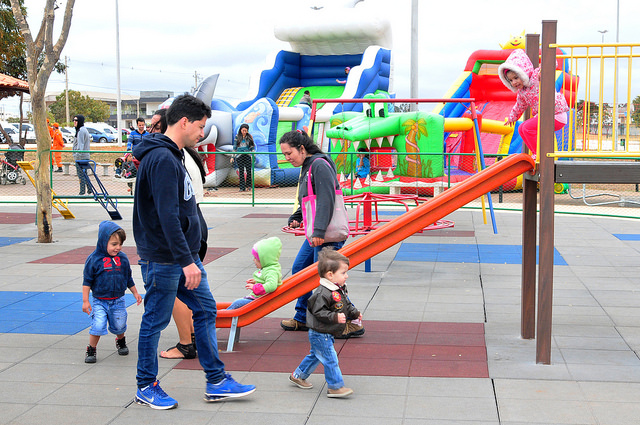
(42, 168)
(38, 77)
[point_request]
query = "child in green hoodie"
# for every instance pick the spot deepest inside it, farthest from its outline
(266, 255)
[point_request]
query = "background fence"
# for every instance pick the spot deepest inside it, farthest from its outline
(613, 200)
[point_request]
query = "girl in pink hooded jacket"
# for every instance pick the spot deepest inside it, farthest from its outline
(518, 75)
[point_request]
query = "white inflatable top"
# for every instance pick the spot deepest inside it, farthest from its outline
(335, 29)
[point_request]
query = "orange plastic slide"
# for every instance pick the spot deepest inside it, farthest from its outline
(382, 238)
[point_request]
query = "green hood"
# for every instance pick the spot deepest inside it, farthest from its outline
(268, 251)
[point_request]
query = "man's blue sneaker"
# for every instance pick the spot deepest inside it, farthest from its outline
(154, 397)
(227, 388)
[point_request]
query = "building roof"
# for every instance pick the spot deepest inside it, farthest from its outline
(10, 86)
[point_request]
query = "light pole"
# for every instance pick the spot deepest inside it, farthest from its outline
(603, 32)
(119, 97)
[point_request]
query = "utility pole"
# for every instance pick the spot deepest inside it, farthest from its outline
(119, 96)
(195, 76)
(66, 90)
(414, 54)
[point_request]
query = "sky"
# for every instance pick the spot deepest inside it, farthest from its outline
(163, 44)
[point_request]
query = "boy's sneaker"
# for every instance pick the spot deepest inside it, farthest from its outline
(351, 330)
(227, 388)
(90, 357)
(300, 383)
(154, 397)
(339, 393)
(121, 345)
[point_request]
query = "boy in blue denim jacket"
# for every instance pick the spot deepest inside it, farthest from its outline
(107, 274)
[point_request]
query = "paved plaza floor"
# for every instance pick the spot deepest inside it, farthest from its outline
(441, 310)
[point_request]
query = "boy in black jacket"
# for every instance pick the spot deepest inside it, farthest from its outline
(327, 312)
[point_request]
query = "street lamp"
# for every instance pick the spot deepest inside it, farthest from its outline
(603, 32)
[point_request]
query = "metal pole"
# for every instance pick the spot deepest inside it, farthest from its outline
(119, 99)
(66, 90)
(414, 54)
(614, 143)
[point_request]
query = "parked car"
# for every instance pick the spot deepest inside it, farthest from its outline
(105, 128)
(99, 136)
(31, 132)
(12, 132)
(67, 134)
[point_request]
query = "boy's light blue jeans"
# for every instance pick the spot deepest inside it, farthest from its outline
(322, 351)
(162, 281)
(108, 312)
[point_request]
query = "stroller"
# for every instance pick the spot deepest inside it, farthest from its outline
(10, 171)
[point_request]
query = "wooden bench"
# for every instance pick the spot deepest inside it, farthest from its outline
(395, 187)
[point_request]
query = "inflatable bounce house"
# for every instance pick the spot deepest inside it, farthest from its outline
(335, 54)
(447, 129)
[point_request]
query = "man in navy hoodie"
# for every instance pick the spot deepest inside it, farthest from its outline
(166, 227)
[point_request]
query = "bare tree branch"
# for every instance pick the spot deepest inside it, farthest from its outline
(66, 25)
(38, 77)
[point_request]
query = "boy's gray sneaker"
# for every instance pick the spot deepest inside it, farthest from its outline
(121, 345)
(90, 356)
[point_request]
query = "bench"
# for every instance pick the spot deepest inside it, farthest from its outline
(66, 165)
(395, 187)
(105, 169)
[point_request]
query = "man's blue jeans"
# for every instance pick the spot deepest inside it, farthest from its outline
(162, 282)
(322, 351)
(306, 257)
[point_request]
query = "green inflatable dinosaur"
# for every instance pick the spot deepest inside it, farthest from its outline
(417, 136)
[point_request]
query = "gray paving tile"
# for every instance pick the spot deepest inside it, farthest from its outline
(545, 411)
(451, 408)
(594, 366)
(12, 410)
(64, 415)
(600, 357)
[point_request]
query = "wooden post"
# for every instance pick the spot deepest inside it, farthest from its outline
(547, 140)
(529, 226)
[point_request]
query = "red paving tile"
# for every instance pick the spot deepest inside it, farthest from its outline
(375, 351)
(475, 340)
(450, 328)
(449, 353)
(20, 218)
(448, 369)
(79, 255)
(387, 349)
